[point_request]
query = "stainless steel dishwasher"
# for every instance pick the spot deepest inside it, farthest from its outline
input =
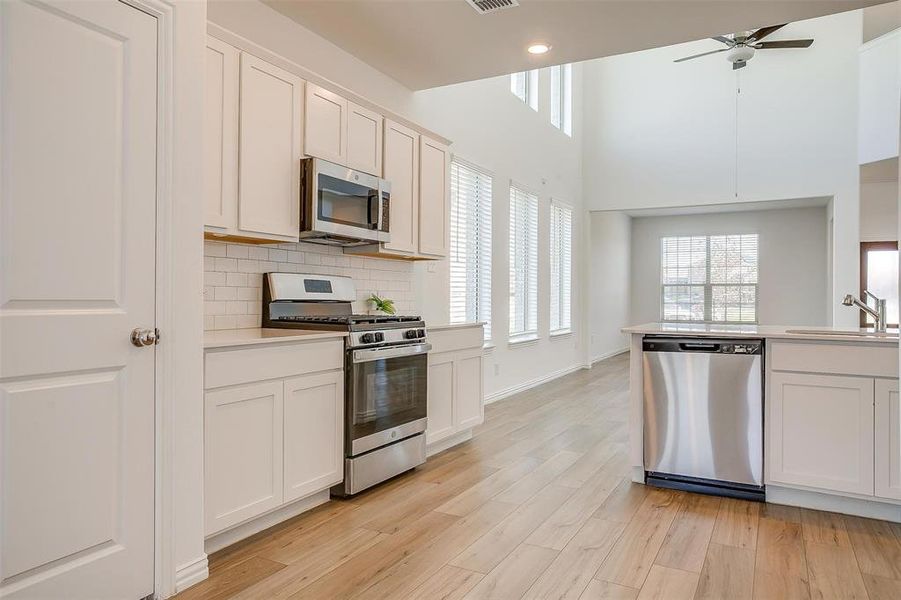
(703, 415)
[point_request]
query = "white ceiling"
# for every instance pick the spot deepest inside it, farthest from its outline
(429, 43)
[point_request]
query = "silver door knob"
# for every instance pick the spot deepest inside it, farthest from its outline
(144, 337)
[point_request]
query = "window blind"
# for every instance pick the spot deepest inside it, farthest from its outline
(523, 262)
(709, 278)
(561, 98)
(524, 86)
(470, 245)
(561, 268)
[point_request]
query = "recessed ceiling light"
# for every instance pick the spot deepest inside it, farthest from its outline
(539, 48)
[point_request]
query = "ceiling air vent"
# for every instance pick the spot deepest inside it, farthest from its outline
(487, 6)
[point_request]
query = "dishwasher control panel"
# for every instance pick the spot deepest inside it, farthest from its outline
(703, 345)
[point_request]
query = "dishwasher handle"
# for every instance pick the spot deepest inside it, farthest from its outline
(699, 347)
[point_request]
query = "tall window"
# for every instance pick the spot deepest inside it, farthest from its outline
(561, 268)
(524, 86)
(523, 263)
(470, 245)
(562, 98)
(879, 275)
(709, 278)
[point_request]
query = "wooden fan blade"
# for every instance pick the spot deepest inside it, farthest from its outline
(724, 39)
(702, 54)
(739, 64)
(784, 44)
(764, 31)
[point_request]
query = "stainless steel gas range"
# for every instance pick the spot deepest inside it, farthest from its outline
(385, 368)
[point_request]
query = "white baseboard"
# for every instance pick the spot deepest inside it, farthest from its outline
(871, 509)
(448, 442)
(191, 573)
(527, 385)
(218, 541)
(607, 355)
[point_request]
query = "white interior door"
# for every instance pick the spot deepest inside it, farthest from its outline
(77, 232)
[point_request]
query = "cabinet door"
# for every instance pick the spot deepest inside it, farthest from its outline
(888, 439)
(314, 433)
(434, 192)
(242, 453)
(325, 125)
(364, 139)
(821, 432)
(401, 168)
(220, 131)
(269, 151)
(440, 397)
(468, 408)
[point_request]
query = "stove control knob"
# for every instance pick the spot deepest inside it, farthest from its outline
(379, 336)
(367, 338)
(410, 334)
(420, 333)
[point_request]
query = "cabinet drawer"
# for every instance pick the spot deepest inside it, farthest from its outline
(451, 340)
(230, 367)
(849, 359)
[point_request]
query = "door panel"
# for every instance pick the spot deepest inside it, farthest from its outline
(77, 242)
(821, 432)
(314, 433)
(364, 139)
(888, 439)
(440, 398)
(220, 130)
(271, 108)
(401, 164)
(434, 191)
(325, 125)
(468, 393)
(242, 453)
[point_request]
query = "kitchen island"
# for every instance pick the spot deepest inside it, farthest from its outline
(832, 422)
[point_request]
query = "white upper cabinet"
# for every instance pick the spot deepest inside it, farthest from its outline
(401, 168)
(888, 439)
(220, 128)
(821, 432)
(269, 150)
(434, 192)
(252, 147)
(325, 125)
(364, 139)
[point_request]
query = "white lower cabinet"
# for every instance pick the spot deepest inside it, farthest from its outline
(274, 441)
(314, 433)
(888, 439)
(242, 453)
(455, 394)
(821, 431)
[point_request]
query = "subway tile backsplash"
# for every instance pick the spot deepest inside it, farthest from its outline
(233, 278)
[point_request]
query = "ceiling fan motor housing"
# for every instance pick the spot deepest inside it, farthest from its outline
(739, 53)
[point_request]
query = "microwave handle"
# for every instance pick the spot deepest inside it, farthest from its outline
(381, 201)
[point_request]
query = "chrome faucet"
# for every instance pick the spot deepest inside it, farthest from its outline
(878, 313)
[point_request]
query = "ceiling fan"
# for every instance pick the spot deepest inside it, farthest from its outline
(741, 46)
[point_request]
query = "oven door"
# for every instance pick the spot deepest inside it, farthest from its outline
(348, 203)
(386, 395)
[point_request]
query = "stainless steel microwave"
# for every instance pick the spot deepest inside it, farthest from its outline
(342, 207)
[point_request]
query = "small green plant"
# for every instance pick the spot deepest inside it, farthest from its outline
(385, 305)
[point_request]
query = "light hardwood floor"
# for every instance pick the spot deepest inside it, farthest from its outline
(538, 505)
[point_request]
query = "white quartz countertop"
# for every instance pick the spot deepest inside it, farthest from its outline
(453, 326)
(832, 334)
(225, 338)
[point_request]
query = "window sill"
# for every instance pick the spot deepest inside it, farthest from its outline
(561, 333)
(488, 347)
(523, 340)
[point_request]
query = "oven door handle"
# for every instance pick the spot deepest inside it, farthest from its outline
(370, 354)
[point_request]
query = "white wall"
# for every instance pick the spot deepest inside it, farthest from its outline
(664, 134)
(879, 211)
(880, 96)
(490, 127)
(610, 296)
(791, 269)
